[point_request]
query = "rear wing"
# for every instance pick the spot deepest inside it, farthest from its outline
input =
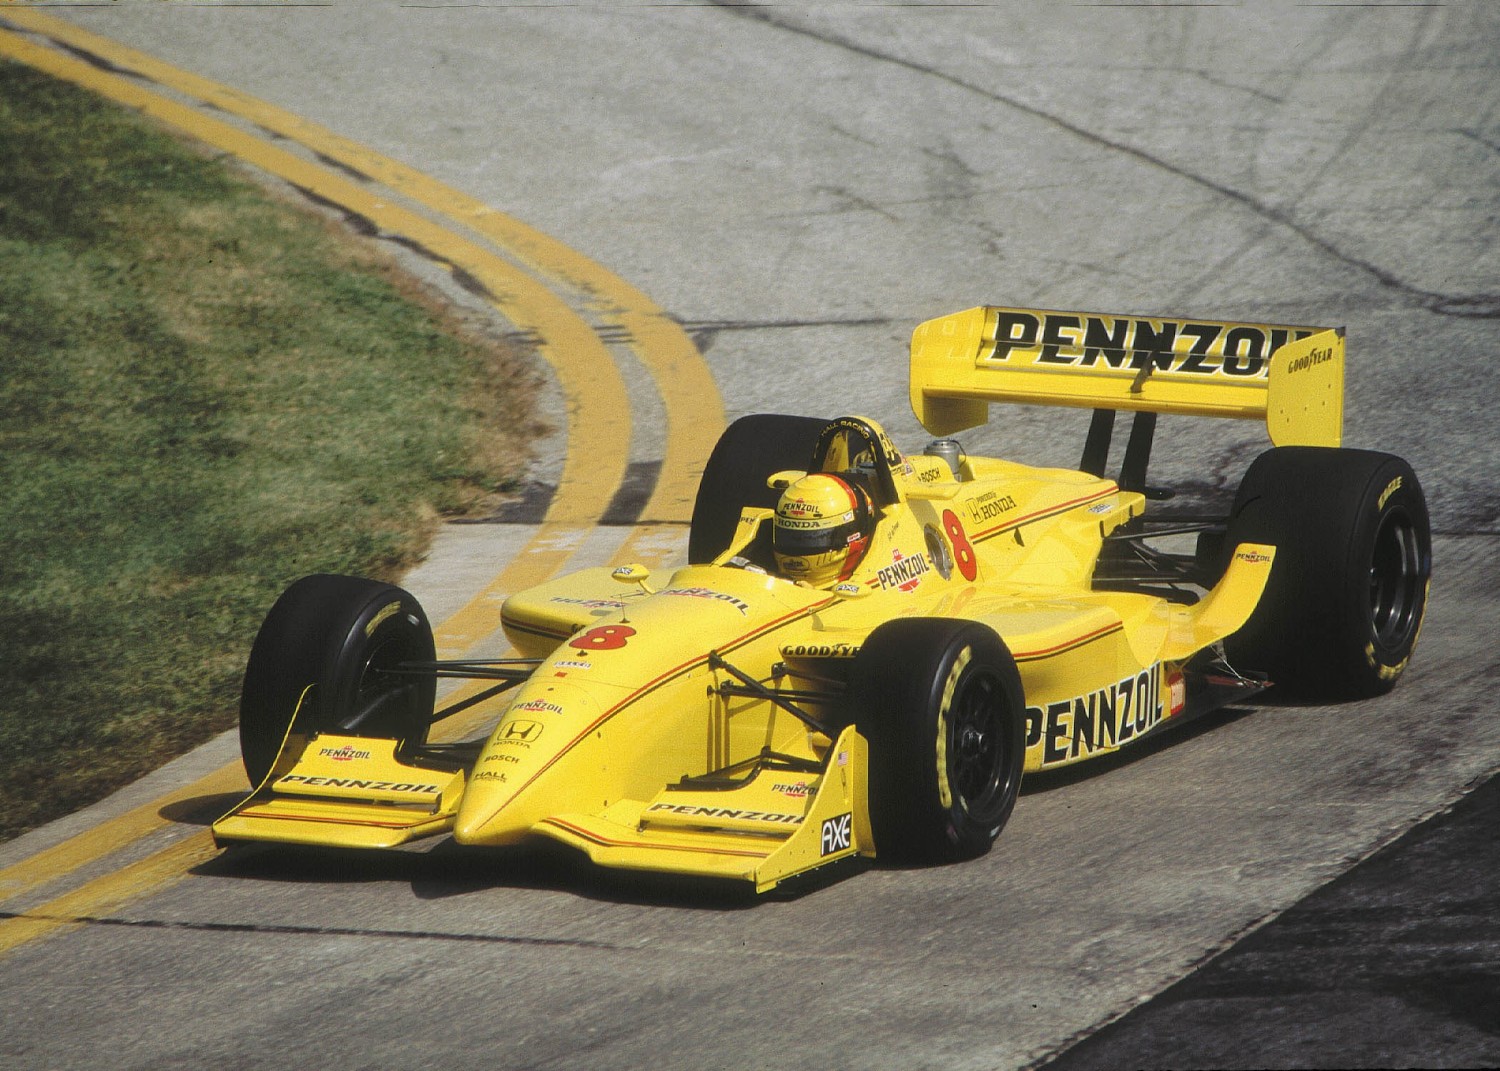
(1292, 377)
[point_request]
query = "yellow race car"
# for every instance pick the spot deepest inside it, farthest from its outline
(868, 648)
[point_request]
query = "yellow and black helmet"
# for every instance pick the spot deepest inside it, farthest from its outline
(822, 529)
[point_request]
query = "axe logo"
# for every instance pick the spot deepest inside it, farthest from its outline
(838, 833)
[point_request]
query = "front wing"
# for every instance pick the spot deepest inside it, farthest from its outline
(778, 820)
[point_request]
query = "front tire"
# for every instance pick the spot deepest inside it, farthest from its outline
(941, 705)
(339, 634)
(1347, 593)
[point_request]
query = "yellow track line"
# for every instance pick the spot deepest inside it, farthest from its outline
(682, 378)
(102, 893)
(695, 412)
(598, 406)
(590, 379)
(151, 874)
(66, 857)
(597, 402)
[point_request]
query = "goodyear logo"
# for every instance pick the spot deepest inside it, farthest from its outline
(1141, 345)
(1311, 358)
(819, 650)
(386, 611)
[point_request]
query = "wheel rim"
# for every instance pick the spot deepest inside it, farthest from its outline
(376, 680)
(1395, 580)
(384, 702)
(980, 758)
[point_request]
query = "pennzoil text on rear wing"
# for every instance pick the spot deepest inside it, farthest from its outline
(1290, 376)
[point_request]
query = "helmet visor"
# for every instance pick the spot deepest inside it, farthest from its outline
(803, 541)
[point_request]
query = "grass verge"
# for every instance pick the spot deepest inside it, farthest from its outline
(205, 392)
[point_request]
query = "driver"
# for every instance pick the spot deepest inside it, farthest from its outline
(822, 529)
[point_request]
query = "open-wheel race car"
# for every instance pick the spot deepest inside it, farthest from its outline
(869, 648)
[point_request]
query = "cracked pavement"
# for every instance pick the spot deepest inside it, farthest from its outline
(799, 185)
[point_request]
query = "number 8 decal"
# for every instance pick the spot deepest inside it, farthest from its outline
(963, 550)
(603, 638)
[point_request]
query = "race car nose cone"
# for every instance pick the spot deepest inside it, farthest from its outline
(482, 817)
(469, 828)
(536, 763)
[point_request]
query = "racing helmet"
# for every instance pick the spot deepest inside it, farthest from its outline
(822, 529)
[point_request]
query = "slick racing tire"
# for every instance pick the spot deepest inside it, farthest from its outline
(1344, 603)
(940, 703)
(339, 634)
(751, 450)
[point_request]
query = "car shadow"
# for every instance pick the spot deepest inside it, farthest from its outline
(1169, 737)
(442, 868)
(200, 810)
(448, 869)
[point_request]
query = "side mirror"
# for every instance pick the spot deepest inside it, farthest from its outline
(634, 573)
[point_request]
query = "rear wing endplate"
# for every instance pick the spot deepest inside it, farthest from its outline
(1292, 377)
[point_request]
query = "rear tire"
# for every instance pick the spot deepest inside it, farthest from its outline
(1347, 593)
(338, 634)
(941, 705)
(749, 452)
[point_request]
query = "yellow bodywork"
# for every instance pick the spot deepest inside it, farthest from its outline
(355, 785)
(629, 741)
(1291, 377)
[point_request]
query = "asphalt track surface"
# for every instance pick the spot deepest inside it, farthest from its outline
(795, 187)
(1393, 964)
